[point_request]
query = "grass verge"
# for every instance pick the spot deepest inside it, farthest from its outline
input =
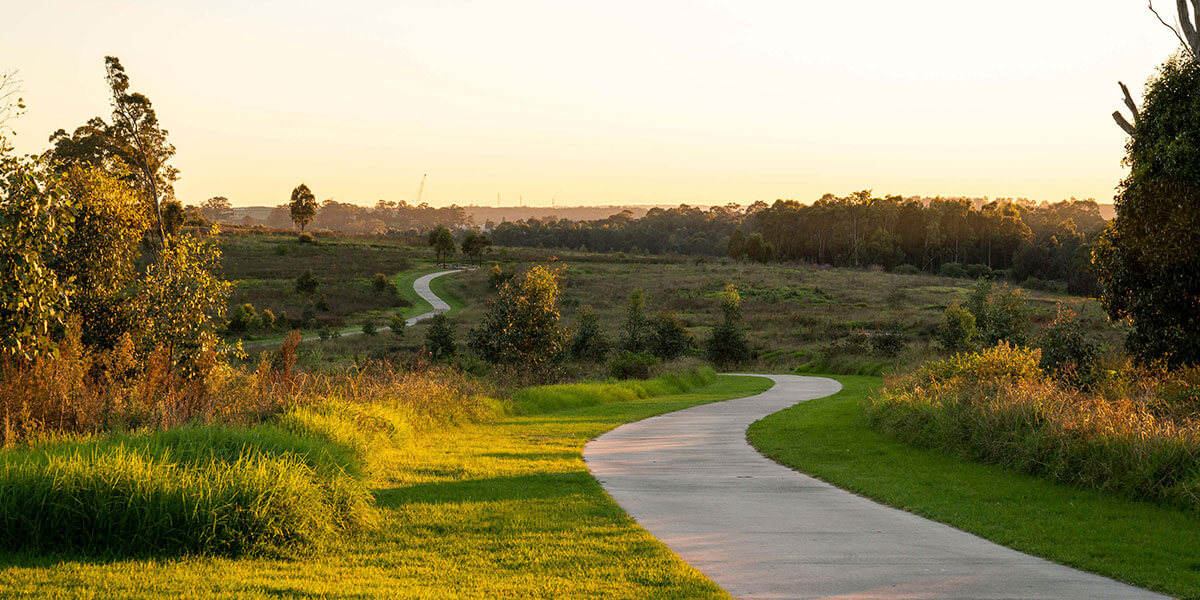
(501, 509)
(1139, 543)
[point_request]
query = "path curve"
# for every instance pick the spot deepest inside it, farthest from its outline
(762, 530)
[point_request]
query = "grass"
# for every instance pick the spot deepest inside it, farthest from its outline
(505, 509)
(1140, 543)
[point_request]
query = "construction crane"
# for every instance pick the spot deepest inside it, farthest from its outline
(421, 189)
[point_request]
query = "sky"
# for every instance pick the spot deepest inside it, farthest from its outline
(598, 103)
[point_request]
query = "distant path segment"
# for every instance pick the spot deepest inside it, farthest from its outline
(762, 530)
(421, 286)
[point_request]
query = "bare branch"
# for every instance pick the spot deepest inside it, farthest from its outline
(1183, 6)
(1122, 123)
(1129, 102)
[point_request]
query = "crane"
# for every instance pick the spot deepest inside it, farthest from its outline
(421, 189)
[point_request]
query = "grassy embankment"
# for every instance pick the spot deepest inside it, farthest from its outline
(1141, 543)
(500, 508)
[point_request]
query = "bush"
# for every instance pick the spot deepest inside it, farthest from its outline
(589, 342)
(498, 277)
(888, 342)
(998, 406)
(397, 324)
(244, 318)
(1067, 354)
(369, 327)
(381, 284)
(439, 338)
(632, 365)
(906, 269)
(669, 338)
(306, 238)
(727, 344)
(521, 325)
(307, 283)
(952, 269)
(1001, 315)
(308, 317)
(267, 319)
(978, 271)
(957, 332)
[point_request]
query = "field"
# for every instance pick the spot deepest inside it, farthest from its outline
(499, 509)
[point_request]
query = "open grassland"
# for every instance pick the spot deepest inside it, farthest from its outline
(795, 314)
(494, 509)
(266, 266)
(1143, 544)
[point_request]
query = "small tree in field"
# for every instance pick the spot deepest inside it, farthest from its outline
(669, 338)
(303, 206)
(589, 343)
(637, 327)
(958, 331)
(521, 325)
(442, 242)
(439, 338)
(474, 244)
(727, 345)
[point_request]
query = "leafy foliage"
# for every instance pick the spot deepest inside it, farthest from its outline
(1067, 354)
(303, 206)
(37, 217)
(632, 365)
(521, 325)
(442, 242)
(958, 331)
(669, 338)
(589, 342)
(1001, 315)
(1146, 259)
(727, 343)
(439, 338)
(637, 326)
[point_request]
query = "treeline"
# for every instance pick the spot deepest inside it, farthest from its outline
(1014, 238)
(382, 219)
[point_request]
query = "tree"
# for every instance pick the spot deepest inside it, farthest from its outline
(637, 330)
(669, 338)
(100, 254)
(589, 342)
(442, 242)
(180, 302)
(1146, 257)
(1000, 315)
(759, 250)
(957, 332)
(303, 206)
(474, 244)
(727, 343)
(521, 325)
(217, 209)
(736, 246)
(439, 338)
(36, 219)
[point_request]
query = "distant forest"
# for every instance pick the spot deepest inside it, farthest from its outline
(1018, 239)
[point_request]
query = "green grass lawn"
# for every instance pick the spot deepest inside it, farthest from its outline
(404, 284)
(1139, 543)
(495, 510)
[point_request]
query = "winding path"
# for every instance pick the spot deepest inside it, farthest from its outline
(762, 530)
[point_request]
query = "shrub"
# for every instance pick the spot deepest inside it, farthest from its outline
(369, 327)
(521, 324)
(589, 342)
(632, 365)
(978, 271)
(952, 269)
(669, 338)
(281, 250)
(306, 283)
(1067, 354)
(906, 269)
(727, 344)
(381, 284)
(397, 324)
(308, 317)
(888, 342)
(498, 277)
(267, 319)
(998, 406)
(322, 303)
(439, 338)
(306, 238)
(957, 332)
(244, 318)
(1000, 314)
(637, 327)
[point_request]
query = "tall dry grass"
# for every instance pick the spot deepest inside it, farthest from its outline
(1136, 432)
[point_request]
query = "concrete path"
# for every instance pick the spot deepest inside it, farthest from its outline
(761, 530)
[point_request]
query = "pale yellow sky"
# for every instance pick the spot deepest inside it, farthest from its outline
(604, 102)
